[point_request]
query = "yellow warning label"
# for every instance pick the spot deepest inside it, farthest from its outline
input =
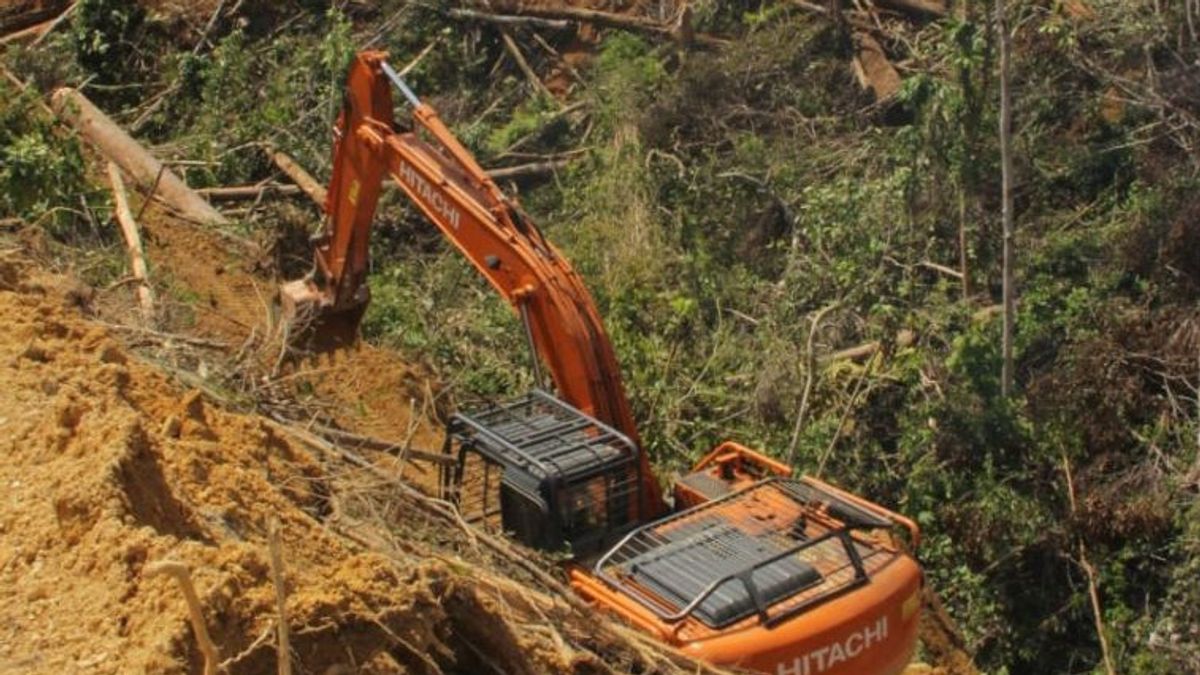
(910, 606)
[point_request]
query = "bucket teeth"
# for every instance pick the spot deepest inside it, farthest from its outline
(312, 323)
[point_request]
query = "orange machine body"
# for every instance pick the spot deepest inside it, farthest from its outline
(870, 629)
(872, 633)
(857, 608)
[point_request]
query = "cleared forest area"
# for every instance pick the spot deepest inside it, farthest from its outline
(790, 214)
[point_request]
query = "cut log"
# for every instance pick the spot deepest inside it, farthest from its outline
(873, 69)
(49, 26)
(505, 20)
(133, 242)
(25, 35)
(934, 8)
(519, 58)
(20, 14)
(302, 178)
(853, 20)
(852, 354)
(606, 19)
(111, 140)
(248, 192)
(526, 170)
(319, 194)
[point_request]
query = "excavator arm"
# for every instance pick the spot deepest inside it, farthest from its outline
(442, 178)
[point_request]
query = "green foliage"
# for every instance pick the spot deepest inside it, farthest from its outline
(527, 119)
(103, 35)
(41, 172)
(433, 309)
(288, 91)
(627, 65)
(337, 48)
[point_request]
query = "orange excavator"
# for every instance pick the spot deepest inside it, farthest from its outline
(743, 565)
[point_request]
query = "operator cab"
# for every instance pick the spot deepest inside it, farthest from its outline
(749, 556)
(549, 475)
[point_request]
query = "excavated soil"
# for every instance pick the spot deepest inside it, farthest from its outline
(109, 467)
(223, 289)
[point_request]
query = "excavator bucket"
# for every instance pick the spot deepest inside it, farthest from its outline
(311, 322)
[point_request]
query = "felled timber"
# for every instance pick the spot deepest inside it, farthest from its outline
(134, 159)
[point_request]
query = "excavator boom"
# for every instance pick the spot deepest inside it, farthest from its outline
(442, 178)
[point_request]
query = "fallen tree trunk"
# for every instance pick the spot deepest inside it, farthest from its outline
(525, 170)
(579, 14)
(515, 52)
(133, 242)
(21, 14)
(302, 178)
(29, 34)
(857, 353)
(318, 193)
(853, 20)
(346, 438)
(504, 20)
(941, 269)
(606, 19)
(904, 339)
(149, 173)
(873, 69)
(934, 8)
(247, 192)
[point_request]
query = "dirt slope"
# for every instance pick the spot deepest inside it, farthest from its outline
(109, 466)
(222, 290)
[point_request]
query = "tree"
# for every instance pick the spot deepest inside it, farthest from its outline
(1006, 373)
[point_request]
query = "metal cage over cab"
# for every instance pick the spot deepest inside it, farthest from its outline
(772, 550)
(553, 477)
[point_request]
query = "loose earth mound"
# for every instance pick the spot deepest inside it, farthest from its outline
(110, 466)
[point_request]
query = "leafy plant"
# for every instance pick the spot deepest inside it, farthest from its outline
(104, 35)
(41, 171)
